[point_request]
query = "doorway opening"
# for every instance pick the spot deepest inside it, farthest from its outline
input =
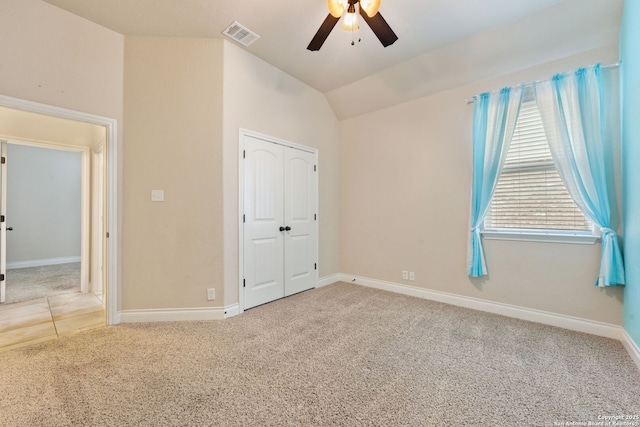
(93, 140)
(44, 216)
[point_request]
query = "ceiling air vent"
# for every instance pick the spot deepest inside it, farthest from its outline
(241, 34)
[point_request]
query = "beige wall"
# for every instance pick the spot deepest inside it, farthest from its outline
(50, 56)
(172, 250)
(182, 127)
(405, 177)
(261, 98)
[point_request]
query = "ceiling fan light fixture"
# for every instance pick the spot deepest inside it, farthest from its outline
(336, 7)
(350, 20)
(371, 7)
(371, 16)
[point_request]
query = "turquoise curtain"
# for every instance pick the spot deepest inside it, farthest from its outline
(571, 106)
(494, 120)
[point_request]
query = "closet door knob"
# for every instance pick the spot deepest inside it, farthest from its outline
(9, 228)
(287, 228)
(282, 228)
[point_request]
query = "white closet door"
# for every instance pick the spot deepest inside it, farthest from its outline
(300, 260)
(264, 215)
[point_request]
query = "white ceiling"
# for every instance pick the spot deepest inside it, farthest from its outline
(424, 27)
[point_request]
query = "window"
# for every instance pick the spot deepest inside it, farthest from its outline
(530, 197)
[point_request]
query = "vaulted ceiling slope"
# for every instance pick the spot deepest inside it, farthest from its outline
(442, 43)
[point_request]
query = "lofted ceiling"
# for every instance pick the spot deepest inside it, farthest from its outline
(425, 28)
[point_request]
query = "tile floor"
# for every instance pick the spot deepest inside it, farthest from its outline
(31, 322)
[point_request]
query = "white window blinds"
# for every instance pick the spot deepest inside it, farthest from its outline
(530, 194)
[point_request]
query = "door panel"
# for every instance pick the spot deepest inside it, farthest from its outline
(263, 210)
(3, 224)
(300, 209)
(300, 256)
(267, 260)
(280, 190)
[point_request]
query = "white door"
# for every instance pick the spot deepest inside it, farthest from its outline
(263, 218)
(3, 222)
(280, 213)
(101, 226)
(300, 266)
(97, 223)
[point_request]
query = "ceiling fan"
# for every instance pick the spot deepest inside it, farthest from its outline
(369, 11)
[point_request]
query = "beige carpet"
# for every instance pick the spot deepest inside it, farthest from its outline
(26, 284)
(340, 355)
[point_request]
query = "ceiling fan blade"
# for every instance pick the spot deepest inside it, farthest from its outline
(380, 28)
(323, 32)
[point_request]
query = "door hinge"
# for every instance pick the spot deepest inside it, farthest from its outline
(315, 266)
(1, 277)
(244, 218)
(315, 217)
(4, 160)
(244, 283)
(107, 234)
(314, 168)
(1, 218)
(244, 154)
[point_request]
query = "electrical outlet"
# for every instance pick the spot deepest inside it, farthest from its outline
(211, 294)
(405, 275)
(412, 275)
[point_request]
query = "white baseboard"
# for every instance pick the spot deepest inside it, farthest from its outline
(114, 319)
(631, 346)
(178, 314)
(560, 320)
(231, 310)
(42, 262)
(328, 280)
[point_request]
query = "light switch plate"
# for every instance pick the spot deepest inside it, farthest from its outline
(157, 195)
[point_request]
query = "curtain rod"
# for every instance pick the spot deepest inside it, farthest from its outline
(604, 67)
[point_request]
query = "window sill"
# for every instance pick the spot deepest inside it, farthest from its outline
(579, 239)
